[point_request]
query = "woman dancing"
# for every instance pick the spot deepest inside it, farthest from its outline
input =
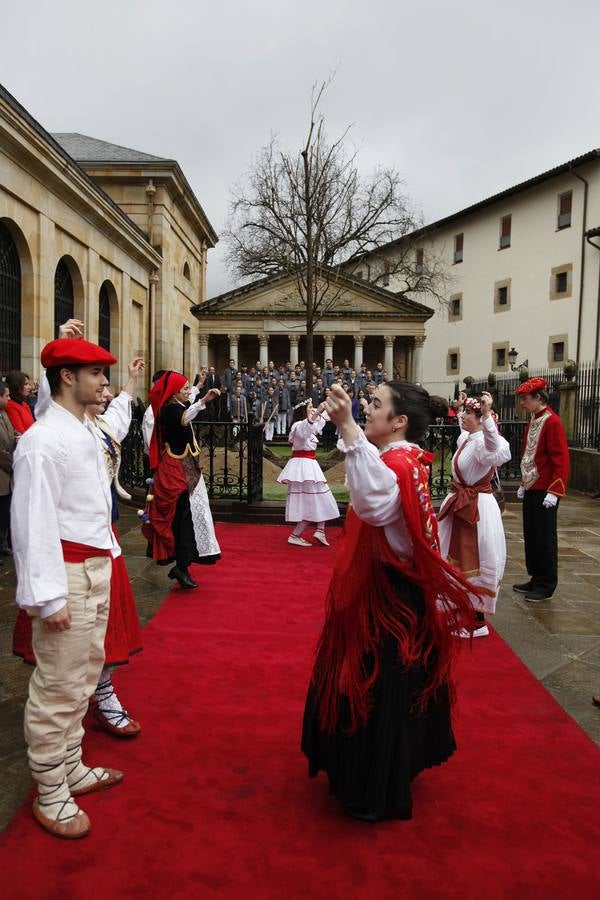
(379, 705)
(470, 523)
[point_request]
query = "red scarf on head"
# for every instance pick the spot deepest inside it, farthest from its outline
(167, 385)
(362, 603)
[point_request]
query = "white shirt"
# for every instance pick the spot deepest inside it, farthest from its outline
(303, 434)
(117, 416)
(480, 451)
(374, 491)
(61, 492)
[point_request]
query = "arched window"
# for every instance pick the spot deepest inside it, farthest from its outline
(186, 271)
(10, 303)
(64, 302)
(104, 318)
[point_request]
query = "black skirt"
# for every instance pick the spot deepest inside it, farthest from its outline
(370, 771)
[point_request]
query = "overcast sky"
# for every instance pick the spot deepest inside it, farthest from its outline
(464, 97)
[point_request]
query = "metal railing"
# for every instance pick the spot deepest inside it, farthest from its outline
(231, 459)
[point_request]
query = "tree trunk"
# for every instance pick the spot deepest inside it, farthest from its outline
(310, 273)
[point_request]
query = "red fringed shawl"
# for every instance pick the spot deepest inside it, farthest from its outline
(362, 603)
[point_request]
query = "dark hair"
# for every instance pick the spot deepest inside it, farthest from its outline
(158, 375)
(3, 388)
(414, 402)
(542, 395)
(15, 381)
(54, 379)
(300, 413)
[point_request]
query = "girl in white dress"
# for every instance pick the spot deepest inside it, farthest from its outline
(470, 523)
(309, 496)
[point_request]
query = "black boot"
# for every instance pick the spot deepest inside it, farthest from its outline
(4, 548)
(181, 574)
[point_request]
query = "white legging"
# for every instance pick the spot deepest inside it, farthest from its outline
(281, 422)
(320, 526)
(269, 428)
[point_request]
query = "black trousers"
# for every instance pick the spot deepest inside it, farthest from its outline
(541, 542)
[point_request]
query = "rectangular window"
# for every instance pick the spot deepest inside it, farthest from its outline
(386, 274)
(419, 261)
(453, 361)
(500, 357)
(565, 202)
(503, 296)
(458, 247)
(505, 225)
(455, 307)
(561, 283)
(558, 351)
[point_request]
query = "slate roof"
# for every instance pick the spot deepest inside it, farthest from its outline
(88, 149)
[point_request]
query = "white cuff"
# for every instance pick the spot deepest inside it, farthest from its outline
(356, 445)
(48, 609)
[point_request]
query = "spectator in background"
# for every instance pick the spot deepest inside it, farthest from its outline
(229, 375)
(378, 374)
(8, 443)
(17, 408)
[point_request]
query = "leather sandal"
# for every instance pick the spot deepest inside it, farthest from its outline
(101, 784)
(130, 730)
(77, 826)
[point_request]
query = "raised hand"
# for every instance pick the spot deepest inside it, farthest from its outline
(72, 328)
(338, 405)
(211, 395)
(136, 367)
(486, 404)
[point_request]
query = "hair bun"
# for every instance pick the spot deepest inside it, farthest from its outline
(438, 407)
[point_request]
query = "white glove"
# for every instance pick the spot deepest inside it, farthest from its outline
(549, 501)
(520, 492)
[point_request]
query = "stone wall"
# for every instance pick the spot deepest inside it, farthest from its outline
(585, 470)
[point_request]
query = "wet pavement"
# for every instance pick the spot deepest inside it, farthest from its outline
(558, 640)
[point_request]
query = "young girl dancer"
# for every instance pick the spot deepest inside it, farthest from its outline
(309, 497)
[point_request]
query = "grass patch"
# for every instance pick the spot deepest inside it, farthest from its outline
(278, 491)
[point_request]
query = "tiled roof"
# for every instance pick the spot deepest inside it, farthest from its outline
(89, 149)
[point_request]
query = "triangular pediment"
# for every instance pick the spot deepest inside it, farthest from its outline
(279, 296)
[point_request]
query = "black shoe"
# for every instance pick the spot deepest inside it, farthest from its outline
(523, 588)
(183, 577)
(356, 812)
(537, 596)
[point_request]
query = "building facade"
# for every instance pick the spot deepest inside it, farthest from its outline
(108, 235)
(266, 320)
(523, 272)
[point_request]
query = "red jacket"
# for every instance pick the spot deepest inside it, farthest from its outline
(551, 456)
(20, 415)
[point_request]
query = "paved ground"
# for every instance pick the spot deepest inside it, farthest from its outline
(559, 640)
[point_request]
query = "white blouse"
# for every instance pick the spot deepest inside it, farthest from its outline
(303, 434)
(374, 491)
(479, 452)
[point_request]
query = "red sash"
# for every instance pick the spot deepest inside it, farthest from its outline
(304, 454)
(463, 503)
(78, 553)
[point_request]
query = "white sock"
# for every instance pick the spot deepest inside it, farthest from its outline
(54, 796)
(299, 529)
(320, 528)
(78, 774)
(108, 702)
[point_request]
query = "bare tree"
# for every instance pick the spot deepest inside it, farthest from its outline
(310, 215)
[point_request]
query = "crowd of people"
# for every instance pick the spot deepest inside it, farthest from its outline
(407, 584)
(268, 394)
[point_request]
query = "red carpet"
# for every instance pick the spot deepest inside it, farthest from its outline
(216, 801)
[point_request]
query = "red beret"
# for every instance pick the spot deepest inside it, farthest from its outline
(532, 385)
(75, 351)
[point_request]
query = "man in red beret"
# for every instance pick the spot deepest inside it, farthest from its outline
(545, 472)
(62, 544)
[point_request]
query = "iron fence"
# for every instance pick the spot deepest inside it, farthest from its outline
(587, 407)
(231, 458)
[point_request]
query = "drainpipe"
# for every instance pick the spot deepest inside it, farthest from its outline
(582, 267)
(152, 317)
(595, 232)
(150, 192)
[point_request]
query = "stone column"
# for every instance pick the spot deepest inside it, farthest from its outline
(203, 350)
(388, 359)
(418, 359)
(233, 348)
(263, 340)
(358, 351)
(328, 338)
(294, 349)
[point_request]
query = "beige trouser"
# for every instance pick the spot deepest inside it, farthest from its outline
(67, 671)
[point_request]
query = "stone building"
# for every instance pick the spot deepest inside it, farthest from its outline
(110, 235)
(265, 320)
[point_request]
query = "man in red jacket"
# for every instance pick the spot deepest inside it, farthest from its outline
(545, 472)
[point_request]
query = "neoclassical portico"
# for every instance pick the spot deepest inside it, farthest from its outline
(264, 321)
